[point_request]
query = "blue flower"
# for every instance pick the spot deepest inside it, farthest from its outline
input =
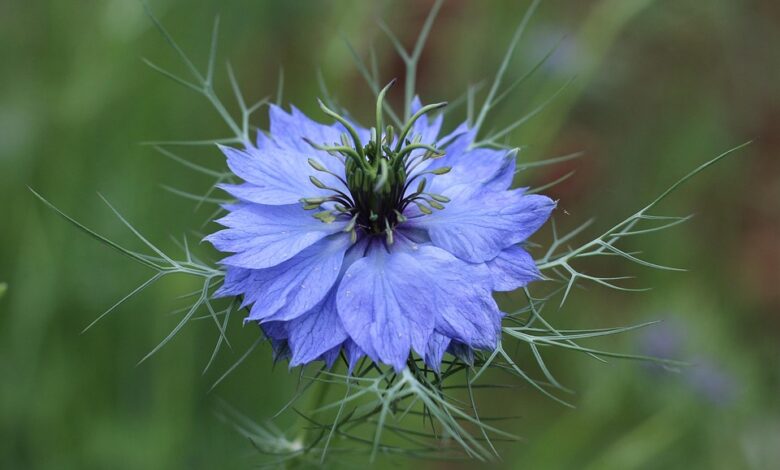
(343, 241)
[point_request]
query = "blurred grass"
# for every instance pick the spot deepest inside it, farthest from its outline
(661, 86)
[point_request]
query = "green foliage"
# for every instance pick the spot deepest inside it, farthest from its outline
(378, 400)
(76, 97)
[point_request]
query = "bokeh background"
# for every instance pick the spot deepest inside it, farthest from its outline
(660, 87)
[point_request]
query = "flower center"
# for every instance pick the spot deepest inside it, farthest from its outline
(379, 175)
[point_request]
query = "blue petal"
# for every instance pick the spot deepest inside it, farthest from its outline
(512, 268)
(416, 104)
(476, 225)
(437, 346)
(384, 303)
(291, 288)
(427, 131)
(353, 353)
(494, 169)
(275, 176)
(502, 178)
(462, 352)
(329, 357)
(455, 142)
(319, 329)
(264, 236)
(389, 302)
(315, 332)
(276, 332)
(289, 130)
(460, 295)
(459, 140)
(234, 283)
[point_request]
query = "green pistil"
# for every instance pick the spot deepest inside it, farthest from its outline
(376, 175)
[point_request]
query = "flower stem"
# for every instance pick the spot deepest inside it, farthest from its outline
(316, 400)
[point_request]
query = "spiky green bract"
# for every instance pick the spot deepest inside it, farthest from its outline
(163, 266)
(418, 413)
(559, 263)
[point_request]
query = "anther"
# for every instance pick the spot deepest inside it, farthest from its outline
(325, 216)
(388, 232)
(435, 205)
(316, 165)
(351, 225)
(423, 208)
(317, 182)
(439, 197)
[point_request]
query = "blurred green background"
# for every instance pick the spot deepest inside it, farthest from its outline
(661, 86)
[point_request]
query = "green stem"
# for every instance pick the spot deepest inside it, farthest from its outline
(316, 401)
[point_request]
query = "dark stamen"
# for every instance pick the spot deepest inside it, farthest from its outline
(377, 175)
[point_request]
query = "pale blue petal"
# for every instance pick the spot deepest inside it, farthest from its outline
(427, 130)
(276, 332)
(459, 140)
(291, 288)
(462, 352)
(478, 167)
(512, 268)
(384, 305)
(264, 236)
(329, 357)
(315, 332)
(492, 168)
(234, 283)
(460, 295)
(437, 346)
(275, 176)
(320, 329)
(289, 130)
(455, 142)
(476, 225)
(353, 353)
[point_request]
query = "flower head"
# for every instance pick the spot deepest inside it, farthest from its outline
(377, 242)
